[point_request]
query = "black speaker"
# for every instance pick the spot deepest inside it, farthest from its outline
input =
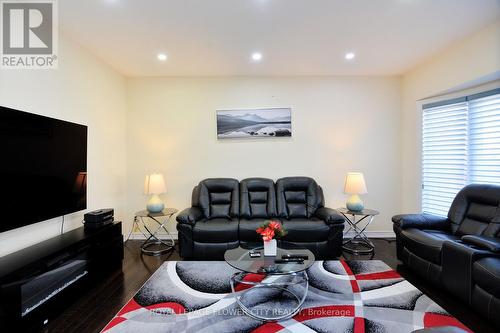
(99, 216)
(93, 225)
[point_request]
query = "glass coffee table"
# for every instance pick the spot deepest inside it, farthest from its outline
(265, 288)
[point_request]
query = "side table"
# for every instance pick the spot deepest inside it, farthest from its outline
(358, 222)
(153, 235)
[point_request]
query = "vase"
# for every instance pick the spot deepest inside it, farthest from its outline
(270, 248)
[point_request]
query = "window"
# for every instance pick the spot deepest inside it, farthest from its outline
(460, 146)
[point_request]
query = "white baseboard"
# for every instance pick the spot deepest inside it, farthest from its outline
(374, 234)
(370, 234)
(138, 235)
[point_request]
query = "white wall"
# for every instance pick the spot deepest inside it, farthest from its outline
(339, 124)
(470, 62)
(85, 91)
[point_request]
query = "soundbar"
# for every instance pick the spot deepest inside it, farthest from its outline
(99, 216)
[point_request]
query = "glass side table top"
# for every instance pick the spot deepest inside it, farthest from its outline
(240, 259)
(165, 212)
(369, 212)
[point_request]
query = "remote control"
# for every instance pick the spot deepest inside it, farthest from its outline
(295, 256)
(286, 261)
(254, 254)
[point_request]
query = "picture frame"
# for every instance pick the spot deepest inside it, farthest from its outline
(254, 123)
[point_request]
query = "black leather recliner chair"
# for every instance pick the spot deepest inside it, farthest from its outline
(460, 252)
(225, 214)
(210, 226)
(301, 208)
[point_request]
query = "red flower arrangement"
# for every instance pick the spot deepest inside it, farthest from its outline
(271, 229)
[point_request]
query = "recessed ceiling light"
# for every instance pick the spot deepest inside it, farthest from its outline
(350, 55)
(256, 56)
(162, 57)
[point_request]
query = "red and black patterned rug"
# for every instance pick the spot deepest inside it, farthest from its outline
(343, 296)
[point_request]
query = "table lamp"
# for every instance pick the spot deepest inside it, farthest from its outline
(154, 184)
(355, 185)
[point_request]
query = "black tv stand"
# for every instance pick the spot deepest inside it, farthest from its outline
(37, 282)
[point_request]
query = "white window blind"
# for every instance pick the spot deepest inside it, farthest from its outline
(484, 140)
(460, 146)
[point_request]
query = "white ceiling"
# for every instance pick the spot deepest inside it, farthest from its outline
(296, 37)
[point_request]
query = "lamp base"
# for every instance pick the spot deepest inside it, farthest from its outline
(354, 203)
(155, 205)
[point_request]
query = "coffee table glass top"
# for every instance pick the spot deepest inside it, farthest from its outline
(239, 258)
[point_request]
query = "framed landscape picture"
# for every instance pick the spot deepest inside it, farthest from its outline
(251, 123)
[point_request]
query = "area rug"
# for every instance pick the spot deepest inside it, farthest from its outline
(343, 296)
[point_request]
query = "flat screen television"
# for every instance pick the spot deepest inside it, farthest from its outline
(43, 168)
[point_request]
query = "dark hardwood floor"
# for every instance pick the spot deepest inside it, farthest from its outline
(102, 301)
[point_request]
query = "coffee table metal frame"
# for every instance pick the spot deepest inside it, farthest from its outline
(153, 236)
(271, 281)
(362, 244)
(302, 278)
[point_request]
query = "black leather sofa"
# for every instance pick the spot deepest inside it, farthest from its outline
(225, 213)
(460, 252)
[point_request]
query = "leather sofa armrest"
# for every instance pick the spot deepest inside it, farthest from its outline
(329, 215)
(190, 215)
(421, 221)
(457, 259)
(488, 243)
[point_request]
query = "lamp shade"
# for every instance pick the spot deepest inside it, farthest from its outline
(355, 183)
(154, 184)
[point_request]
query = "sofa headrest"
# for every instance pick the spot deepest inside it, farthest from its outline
(257, 198)
(218, 197)
(298, 197)
(476, 210)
